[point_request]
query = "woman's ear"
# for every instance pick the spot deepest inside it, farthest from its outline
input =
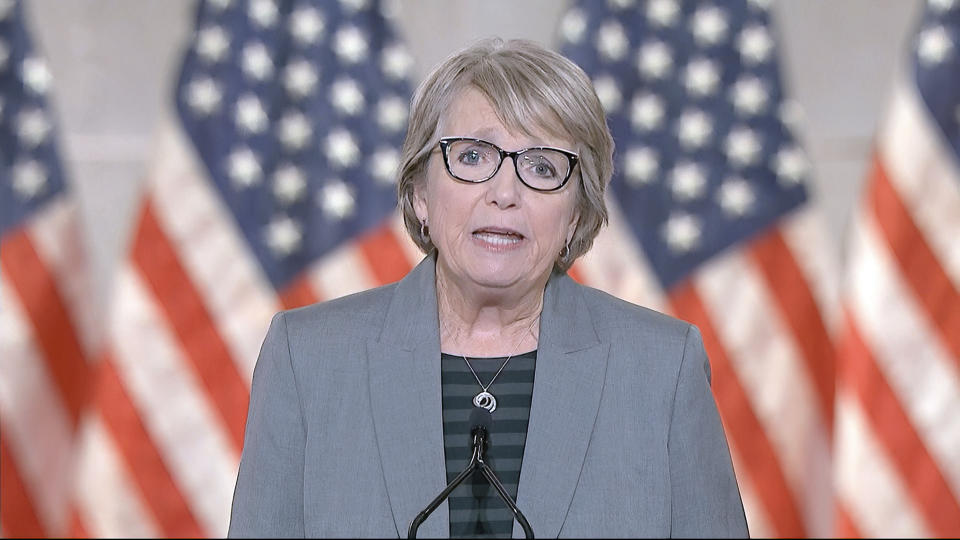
(419, 201)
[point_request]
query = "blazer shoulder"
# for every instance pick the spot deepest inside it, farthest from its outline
(612, 315)
(354, 314)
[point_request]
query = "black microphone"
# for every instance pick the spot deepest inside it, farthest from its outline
(480, 421)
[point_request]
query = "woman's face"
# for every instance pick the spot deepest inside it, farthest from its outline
(499, 233)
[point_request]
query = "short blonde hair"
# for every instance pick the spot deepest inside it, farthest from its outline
(528, 86)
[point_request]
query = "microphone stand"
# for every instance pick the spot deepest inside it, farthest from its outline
(476, 462)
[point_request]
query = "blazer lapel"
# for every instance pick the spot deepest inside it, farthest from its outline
(568, 383)
(405, 395)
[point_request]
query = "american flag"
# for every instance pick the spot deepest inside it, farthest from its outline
(714, 224)
(898, 397)
(47, 325)
(272, 187)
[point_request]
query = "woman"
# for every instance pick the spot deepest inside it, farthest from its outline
(603, 424)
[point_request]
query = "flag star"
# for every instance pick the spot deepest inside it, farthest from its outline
(29, 179)
(289, 184)
(384, 165)
(694, 128)
(396, 62)
(36, 75)
(736, 197)
(941, 6)
(646, 112)
(641, 165)
(337, 200)
(263, 13)
(249, 114)
(709, 26)
(934, 45)
(306, 25)
(220, 5)
(687, 181)
(681, 232)
(790, 165)
(612, 41)
(300, 78)
(749, 95)
(284, 236)
(346, 96)
(609, 92)
(213, 43)
(743, 147)
(6, 6)
(295, 131)
(204, 96)
(663, 12)
(350, 45)
(390, 9)
(701, 77)
(353, 6)
(244, 168)
(760, 4)
(392, 113)
(655, 59)
(573, 26)
(341, 148)
(790, 113)
(33, 127)
(4, 55)
(754, 44)
(257, 63)
(621, 4)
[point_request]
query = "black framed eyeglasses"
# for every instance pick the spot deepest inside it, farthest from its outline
(540, 168)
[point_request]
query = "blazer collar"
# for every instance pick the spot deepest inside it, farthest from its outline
(404, 377)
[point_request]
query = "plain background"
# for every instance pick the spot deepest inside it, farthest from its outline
(114, 64)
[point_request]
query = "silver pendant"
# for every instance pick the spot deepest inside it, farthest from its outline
(485, 400)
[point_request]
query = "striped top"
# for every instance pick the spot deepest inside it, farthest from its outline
(476, 510)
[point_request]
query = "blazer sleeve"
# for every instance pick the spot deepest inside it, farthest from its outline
(268, 498)
(705, 497)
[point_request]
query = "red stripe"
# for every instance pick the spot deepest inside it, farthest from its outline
(144, 463)
(845, 527)
(917, 263)
(19, 518)
(183, 307)
(384, 253)
(77, 528)
(792, 294)
(892, 427)
(53, 331)
(299, 293)
(575, 273)
(740, 422)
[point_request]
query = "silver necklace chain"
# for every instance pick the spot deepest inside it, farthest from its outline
(485, 399)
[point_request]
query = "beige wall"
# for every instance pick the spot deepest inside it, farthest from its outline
(114, 62)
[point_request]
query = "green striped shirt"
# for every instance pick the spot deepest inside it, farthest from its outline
(476, 510)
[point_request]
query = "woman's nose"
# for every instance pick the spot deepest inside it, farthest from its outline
(504, 189)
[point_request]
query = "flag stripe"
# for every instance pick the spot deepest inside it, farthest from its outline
(342, 272)
(385, 256)
(19, 518)
(144, 463)
(845, 527)
(813, 250)
(187, 314)
(918, 264)
(299, 293)
(894, 429)
(799, 310)
(53, 332)
(740, 421)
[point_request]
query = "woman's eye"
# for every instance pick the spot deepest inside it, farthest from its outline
(471, 157)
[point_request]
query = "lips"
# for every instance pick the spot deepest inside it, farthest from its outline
(498, 236)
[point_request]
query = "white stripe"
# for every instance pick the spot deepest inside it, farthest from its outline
(867, 484)
(616, 264)
(343, 271)
(907, 350)
(212, 250)
(923, 168)
(108, 503)
(173, 404)
(37, 428)
(410, 250)
(768, 364)
(757, 522)
(817, 256)
(55, 233)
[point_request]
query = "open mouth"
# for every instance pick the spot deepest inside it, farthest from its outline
(498, 237)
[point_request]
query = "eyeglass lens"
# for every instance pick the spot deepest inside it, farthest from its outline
(476, 161)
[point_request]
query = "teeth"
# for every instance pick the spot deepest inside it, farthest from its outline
(499, 239)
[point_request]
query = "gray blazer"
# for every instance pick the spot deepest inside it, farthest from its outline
(344, 433)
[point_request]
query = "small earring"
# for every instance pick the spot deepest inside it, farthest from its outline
(565, 252)
(423, 230)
